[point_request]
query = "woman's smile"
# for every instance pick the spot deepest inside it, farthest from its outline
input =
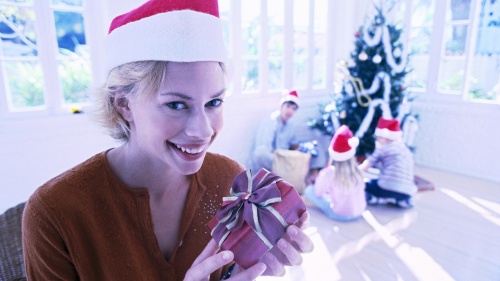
(190, 149)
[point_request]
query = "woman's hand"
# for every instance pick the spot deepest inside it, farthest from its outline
(209, 261)
(289, 249)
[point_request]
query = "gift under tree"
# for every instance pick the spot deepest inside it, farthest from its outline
(371, 85)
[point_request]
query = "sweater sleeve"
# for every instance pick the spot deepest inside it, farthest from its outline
(45, 254)
(375, 157)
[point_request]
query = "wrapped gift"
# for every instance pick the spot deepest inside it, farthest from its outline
(256, 216)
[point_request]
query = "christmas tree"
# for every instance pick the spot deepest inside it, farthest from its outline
(370, 85)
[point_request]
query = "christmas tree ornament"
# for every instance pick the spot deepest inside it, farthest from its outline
(355, 84)
(377, 59)
(363, 56)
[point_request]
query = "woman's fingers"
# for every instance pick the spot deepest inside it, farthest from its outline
(274, 266)
(299, 239)
(289, 249)
(304, 220)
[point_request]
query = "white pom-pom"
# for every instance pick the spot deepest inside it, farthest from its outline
(353, 142)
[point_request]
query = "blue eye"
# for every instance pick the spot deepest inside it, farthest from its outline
(176, 105)
(215, 102)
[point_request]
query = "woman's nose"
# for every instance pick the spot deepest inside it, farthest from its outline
(199, 125)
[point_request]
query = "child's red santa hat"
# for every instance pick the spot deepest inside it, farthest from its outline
(388, 128)
(290, 96)
(167, 30)
(343, 144)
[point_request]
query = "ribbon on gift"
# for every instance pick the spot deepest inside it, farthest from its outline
(251, 203)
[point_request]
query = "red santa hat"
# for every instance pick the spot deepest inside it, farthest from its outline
(167, 30)
(388, 128)
(290, 96)
(343, 144)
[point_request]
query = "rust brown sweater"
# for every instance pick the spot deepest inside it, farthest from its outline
(87, 225)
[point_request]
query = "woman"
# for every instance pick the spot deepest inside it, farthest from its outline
(139, 211)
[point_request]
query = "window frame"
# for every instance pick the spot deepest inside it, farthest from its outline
(49, 58)
(437, 52)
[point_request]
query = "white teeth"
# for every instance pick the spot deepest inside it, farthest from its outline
(190, 151)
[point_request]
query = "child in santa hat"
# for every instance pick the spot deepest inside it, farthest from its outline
(139, 211)
(395, 183)
(339, 188)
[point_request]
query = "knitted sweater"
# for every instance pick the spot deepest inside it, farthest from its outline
(396, 167)
(87, 225)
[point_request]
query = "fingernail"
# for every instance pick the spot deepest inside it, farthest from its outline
(262, 267)
(269, 257)
(282, 243)
(226, 256)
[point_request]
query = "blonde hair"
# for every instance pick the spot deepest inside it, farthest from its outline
(131, 80)
(347, 174)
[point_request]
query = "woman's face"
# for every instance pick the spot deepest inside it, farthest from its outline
(178, 123)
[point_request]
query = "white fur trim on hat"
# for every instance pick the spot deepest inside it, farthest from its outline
(289, 96)
(388, 134)
(342, 156)
(293, 99)
(164, 37)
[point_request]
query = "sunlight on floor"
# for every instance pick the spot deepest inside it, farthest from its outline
(495, 207)
(419, 262)
(355, 247)
(316, 265)
(473, 206)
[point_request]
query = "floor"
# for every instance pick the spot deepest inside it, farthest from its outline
(452, 233)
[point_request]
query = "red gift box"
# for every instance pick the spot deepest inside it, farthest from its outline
(256, 216)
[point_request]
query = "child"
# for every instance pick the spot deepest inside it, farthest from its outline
(339, 188)
(396, 181)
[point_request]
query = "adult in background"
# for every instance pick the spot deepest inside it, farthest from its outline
(276, 132)
(139, 211)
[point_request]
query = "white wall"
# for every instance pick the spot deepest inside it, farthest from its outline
(34, 150)
(458, 136)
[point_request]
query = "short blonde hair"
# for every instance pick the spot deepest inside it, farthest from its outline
(132, 80)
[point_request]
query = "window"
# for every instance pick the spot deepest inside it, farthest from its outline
(421, 32)
(454, 48)
(277, 44)
(44, 58)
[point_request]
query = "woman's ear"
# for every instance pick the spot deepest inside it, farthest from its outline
(121, 103)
